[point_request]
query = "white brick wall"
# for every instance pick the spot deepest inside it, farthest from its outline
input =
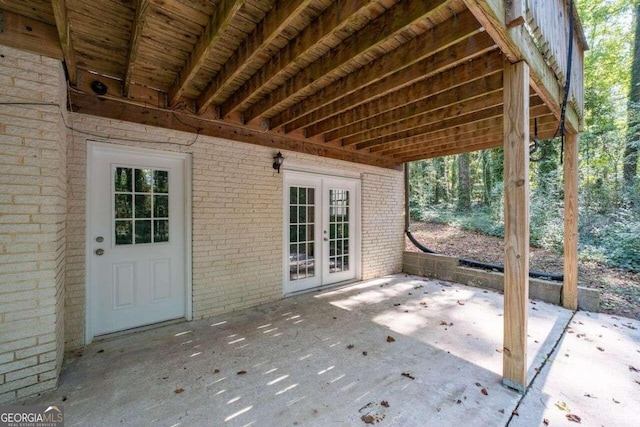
(32, 223)
(237, 217)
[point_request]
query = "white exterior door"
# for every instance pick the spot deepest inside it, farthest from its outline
(321, 231)
(136, 244)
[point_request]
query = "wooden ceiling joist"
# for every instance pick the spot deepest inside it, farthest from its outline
(423, 89)
(25, 33)
(424, 108)
(224, 14)
(279, 18)
(413, 61)
(335, 18)
(136, 34)
(374, 34)
(64, 33)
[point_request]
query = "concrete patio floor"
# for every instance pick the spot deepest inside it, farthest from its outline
(325, 358)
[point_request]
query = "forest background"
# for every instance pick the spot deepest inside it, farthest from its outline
(466, 190)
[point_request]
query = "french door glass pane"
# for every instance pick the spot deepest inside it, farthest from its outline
(301, 233)
(338, 230)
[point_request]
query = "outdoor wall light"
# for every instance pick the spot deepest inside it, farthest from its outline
(277, 161)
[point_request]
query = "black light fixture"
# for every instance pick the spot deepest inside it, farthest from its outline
(277, 161)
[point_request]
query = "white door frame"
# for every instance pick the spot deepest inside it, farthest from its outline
(188, 243)
(288, 176)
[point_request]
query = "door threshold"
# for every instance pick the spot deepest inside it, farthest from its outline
(118, 334)
(322, 288)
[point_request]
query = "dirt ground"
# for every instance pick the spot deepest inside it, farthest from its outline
(619, 289)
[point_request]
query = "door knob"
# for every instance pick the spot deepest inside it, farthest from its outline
(99, 251)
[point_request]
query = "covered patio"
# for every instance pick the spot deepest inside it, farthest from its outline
(325, 358)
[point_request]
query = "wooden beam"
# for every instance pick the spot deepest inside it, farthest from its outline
(224, 14)
(28, 34)
(454, 77)
(470, 141)
(64, 32)
(277, 19)
(137, 27)
(570, 286)
(516, 224)
(421, 109)
(372, 35)
(336, 17)
(517, 44)
(454, 115)
(414, 51)
(207, 124)
(451, 150)
(546, 121)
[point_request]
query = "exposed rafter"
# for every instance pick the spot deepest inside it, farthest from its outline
(278, 18)
(335, 18)
(224, 14)
(372, 35)
(136, 34)
(64, 33)
(445, 35)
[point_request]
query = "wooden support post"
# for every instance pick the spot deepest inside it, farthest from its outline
(516, 224)
(570, 287)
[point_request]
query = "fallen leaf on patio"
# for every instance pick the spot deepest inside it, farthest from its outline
(633, 369)
(408, 375)
(478, 385)
(630, 326)
(580, 322)
(501, 411)
(242, 372)
(563, 406)
(499, 350)
(396, 304)
(615, 401)
(410, 293)
(545, 422)
(364, 353)
(460, 302)
(64, 398)
(536, 369)
(581, 335)
(334, 318)
(101, 350)
(178, 390)
(385, 403)
(514, 412)
(443, 323)
(350, 346)
(590, 395)
(533, 308)
(390, 338)
(423, 303)
(571, 332)
(216, 371)
(600, 348)
(484, 391)
(637, 381)
(368, 419)
(406, 311)
(574, 418)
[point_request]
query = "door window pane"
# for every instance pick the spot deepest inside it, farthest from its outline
(338, 230)
(141, 198)
(301, 233)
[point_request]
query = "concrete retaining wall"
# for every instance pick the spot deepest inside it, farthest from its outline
(448, 268)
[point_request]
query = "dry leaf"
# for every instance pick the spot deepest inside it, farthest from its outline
(484, 391)
(501, 411)
(364, 353)
(574, 418)
(499, 350)
(545, 422)
(514, 412)
(590, 395)
(368, 419)
(385, 403)
(242, 372)
(600, 348)
(615, 401)
(478, 385)
(460, 302)
(350, 346)
(390, 339)
(423, 303)
(443, 323)
(633, 369)
(178, 390)
(408, 375)
(563, 406)
(216, 371)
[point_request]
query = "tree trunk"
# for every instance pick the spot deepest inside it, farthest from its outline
(464, 182)
(630, 171)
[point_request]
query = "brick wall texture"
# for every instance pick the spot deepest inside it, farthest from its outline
(33, 206)
(237, 220)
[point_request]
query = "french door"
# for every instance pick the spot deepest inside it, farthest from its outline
(321, 231)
